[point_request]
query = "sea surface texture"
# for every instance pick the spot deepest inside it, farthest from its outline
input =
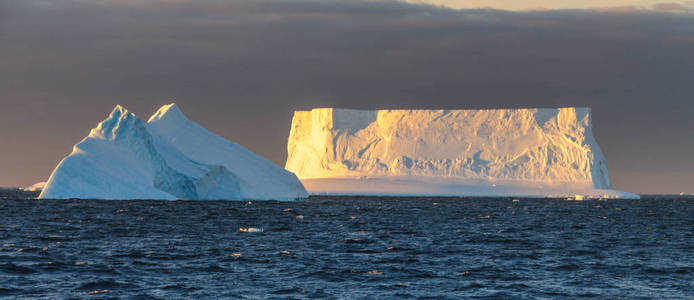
(349, 247)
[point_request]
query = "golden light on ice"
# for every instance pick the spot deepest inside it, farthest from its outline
(448, 152)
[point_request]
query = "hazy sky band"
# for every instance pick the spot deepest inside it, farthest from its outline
(611, 5)
(241, 68)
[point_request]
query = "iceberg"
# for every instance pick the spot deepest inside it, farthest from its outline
(493, 152)
(169, 157)
(36, 187)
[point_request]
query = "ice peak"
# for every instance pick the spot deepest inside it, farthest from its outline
(119, 119)
(118, 112)
(117, 116)
(119, 108)
(168, 112)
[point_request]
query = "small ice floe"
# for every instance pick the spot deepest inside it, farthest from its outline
(97, 292)
(36, 187)
(251, 229)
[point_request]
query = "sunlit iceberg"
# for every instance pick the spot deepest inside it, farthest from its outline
(496, 152)
(169, 157)
(35, 187)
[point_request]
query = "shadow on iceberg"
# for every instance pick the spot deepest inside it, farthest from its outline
(168, 158)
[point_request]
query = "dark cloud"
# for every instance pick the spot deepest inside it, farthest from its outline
(240, 68)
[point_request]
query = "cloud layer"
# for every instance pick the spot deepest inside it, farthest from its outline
(596, 5)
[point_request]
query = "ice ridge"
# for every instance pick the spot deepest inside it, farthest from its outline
(126, 158)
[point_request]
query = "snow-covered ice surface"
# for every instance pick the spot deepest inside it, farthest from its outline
(496, 152)
(170, 157)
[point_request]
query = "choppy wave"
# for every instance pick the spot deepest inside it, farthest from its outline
(348, 248)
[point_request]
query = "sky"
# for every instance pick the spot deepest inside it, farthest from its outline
(240, 69)
(612, 5)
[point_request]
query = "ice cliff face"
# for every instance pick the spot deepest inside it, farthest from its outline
(260, 178)
(542, 148)
(170, 157)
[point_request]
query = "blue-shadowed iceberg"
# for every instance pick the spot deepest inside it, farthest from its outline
(169, 157)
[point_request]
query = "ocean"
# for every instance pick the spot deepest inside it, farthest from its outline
(347, 248)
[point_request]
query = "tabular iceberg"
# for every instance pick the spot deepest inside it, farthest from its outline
(169, 157)
(496, 152)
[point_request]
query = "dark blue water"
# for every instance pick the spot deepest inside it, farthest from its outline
(348, 248)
